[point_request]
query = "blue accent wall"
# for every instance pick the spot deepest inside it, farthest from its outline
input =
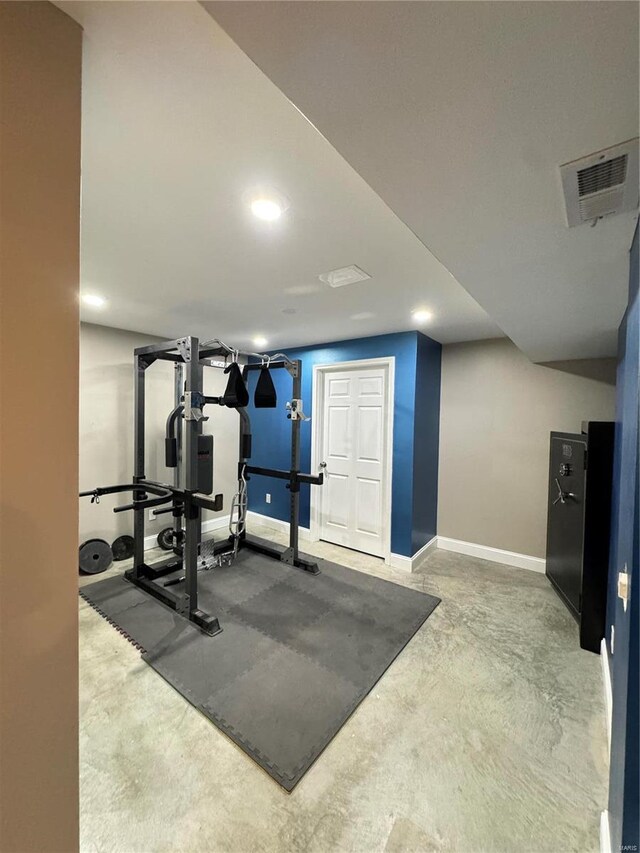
(624, 792)
(426, 436)
(272, 431)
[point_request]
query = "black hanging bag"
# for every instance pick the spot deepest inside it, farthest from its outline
(236, 395)
(265, 395)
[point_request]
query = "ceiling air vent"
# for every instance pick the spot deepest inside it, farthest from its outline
(343, 276)
(601, 184)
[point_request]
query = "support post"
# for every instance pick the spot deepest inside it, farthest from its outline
(191, 427)
(294, 497)
(177, 473)
(140, 365)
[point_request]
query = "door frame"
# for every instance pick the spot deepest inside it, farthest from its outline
(320, 372)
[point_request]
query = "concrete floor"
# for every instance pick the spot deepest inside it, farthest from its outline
(486, 734)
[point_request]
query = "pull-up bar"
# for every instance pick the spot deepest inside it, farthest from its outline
(218, 347)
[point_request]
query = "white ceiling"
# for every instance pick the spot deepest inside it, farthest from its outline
(458, 114)
(177, 124)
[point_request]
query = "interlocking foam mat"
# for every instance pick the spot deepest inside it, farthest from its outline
(296, 656)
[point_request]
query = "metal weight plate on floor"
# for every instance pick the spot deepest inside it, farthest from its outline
(122, 547)
(165, 539)
(95, 556)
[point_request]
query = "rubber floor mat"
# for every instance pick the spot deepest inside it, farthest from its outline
(296, 656)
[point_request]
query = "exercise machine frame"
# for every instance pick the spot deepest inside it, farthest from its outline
(293, 476)
(186, 502)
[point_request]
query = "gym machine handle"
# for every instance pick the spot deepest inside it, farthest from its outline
(164, 494)
(166, 509)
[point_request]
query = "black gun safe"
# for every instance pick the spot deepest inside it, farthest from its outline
(579, 524)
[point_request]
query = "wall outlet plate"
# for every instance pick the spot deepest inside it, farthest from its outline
(267, 498)
(623, 587)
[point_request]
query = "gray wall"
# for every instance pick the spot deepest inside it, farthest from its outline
(106, 428)
(497, 410)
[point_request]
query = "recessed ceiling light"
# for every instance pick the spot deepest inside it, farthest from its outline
(93, 300)
(344, 275)
(422, 316)
(259, 341)
(267, 203)
(266, 208)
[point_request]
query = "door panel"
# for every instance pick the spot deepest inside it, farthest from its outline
(339, 387)
(354, 446)
(337, 489)
(338, 431)
(370, 434)
(368, 505)
(371, 386)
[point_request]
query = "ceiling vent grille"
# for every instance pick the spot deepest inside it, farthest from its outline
(344, 276)
(602, 184)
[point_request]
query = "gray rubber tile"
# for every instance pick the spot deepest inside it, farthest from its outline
(368, 599)
(141, 619)
(203, 665)
(296, 655)
(281, 611)
(226, 586)
(371, 647)
(283, 712)
(114, 592)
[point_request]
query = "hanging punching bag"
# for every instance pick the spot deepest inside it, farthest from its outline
(265, 395)
(236, 395)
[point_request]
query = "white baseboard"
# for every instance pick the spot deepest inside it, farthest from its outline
(605, 833)
(396, 561)
(277, 523)
(211, 524)
(606, 681)
(496, 555)
(409, 564)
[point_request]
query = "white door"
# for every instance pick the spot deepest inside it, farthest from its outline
(353, 444)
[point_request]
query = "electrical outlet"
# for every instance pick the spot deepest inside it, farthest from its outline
(267, 498)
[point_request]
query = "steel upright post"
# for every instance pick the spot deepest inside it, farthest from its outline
(295, 463)
(191, 429)
(140, 365)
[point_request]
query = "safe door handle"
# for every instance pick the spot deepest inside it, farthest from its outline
(562, 495)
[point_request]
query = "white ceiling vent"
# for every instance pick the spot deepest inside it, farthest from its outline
(343, 276)
(601, 184)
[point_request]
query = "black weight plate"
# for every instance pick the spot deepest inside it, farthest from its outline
(165, 539)
(95, 556)
(122, 547)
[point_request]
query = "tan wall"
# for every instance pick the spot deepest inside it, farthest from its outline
(497, 410)
(106, 428)
(40, 50)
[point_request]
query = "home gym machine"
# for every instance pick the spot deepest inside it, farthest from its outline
(189, 452)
